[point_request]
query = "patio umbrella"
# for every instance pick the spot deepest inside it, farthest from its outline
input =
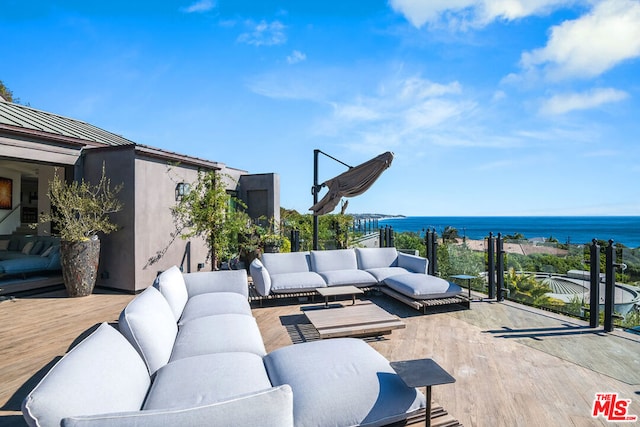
(351, 183)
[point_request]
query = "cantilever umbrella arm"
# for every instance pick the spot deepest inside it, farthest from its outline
(351, 183)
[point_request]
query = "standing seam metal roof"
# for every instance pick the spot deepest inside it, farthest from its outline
(19, 116)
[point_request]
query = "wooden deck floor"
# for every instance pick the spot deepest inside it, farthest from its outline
(514, 366)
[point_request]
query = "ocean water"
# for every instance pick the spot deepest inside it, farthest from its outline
(572, 229)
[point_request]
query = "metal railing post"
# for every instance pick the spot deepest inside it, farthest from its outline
(434, 252)
(491, 266)
(427, 244)
(500, 268)
(594, 294)
(609, 289)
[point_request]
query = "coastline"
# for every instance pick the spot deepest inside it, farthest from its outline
(623, 230)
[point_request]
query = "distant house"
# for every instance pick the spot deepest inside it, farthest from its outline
(34, 143)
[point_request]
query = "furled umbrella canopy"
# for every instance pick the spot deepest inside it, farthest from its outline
(351, 183)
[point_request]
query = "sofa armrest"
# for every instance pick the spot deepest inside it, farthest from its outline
(260, 276)
(413, 263)
(272, 407)
(204, 282)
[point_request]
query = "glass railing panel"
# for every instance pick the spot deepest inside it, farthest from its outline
(547, 275)
(463, 262)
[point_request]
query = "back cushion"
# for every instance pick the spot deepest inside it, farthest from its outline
(337, 259)
(171, 285)
(149, 325)
(376, 257)
(102, 374)
(288, 262)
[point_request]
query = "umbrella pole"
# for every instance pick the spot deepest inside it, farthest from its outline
(314, 190)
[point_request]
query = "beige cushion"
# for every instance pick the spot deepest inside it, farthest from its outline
(4, 245)
(27, 248)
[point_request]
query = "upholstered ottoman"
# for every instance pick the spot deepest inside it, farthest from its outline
(341, 382)
(422, 286)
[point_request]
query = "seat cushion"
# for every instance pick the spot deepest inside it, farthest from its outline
(223, 333)
(103, 373)
(203, 305)
(149, 324)
(341, 382)
(382, 273)
(422, 286)
(348, 277)
(205, 379)
(296, 282)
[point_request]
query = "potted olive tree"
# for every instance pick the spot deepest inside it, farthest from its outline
(79, 211)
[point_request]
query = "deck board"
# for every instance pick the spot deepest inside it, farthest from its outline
(513, 366)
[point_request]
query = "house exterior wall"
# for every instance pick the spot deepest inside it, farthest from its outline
(261, 193)
(147, 241)
(158, 245)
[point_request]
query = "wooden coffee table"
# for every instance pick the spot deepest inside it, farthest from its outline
(334, 291)
(358, 320)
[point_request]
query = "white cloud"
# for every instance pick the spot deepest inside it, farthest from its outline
(590, 45)
(200, 6)
(474, 13)
(296, 56)
(264, 34)
(565, 103)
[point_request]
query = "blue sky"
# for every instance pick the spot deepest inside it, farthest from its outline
(505, 107)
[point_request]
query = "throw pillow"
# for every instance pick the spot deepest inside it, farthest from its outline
(4, 245)
(37, 248)
(49, 251)
(27, 248)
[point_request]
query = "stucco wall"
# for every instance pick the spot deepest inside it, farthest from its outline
(158, 245)
(147, 241)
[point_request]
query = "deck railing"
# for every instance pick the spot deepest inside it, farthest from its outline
(549, 275)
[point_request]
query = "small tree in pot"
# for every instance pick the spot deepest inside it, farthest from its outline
(79, 211)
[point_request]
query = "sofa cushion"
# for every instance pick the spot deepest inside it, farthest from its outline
(205, 379)
(205, 282)
(171, 285)
(287, 262)
(369, 258)
(296, 282)
(272, 407)
(413, 263)
(261, 277)
(26, 249)
(348, 277)
(214, 303)
(422, 286)
(103, 373)
(383, 272)
(4, 245)
(149, 324)
(341, 382)
(25, 264)
(218, 334)
(338, 259)
(37, 248)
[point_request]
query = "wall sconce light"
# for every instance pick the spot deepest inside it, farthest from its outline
(182, 189)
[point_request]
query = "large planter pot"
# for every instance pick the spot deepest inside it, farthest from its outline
(80, 266)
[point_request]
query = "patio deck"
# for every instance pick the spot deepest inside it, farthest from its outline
(514, 365)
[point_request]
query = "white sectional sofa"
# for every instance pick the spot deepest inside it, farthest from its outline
(188, 352)
(402, 276)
